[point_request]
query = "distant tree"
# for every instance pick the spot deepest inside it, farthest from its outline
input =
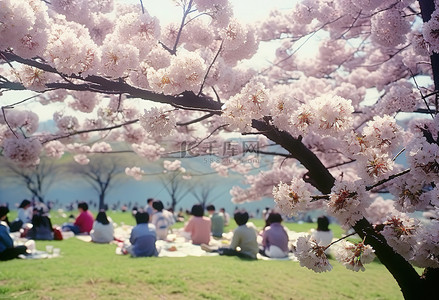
(176, 182)
(37, 179)
(102, 173)
(204, 194)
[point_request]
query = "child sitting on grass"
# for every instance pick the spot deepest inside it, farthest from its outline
(244, 237)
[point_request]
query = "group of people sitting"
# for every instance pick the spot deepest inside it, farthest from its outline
(154, 223)
(32, 223)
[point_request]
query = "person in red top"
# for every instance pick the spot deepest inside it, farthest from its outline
(83, 222)
(198, 226)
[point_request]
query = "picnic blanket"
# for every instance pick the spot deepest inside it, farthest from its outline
(178, 244)
(37, 254)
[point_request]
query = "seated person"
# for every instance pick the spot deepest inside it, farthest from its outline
(41, 227)
(24, 216)
(226, 216)
(217, 220)
(274, 237)
(162, 220)
(83, 223)
(7, 249)
(323, 235)
(244, 237)
(103, 229)
(198, 226)
(143, 237)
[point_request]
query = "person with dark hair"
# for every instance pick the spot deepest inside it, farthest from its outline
(198, 226)
(103, 229)
(217, 220)
(25, 211)
(42, 228)
(162, 220)
(83, 222)
(244, 237)
(323, 235)
(7, 249)
(24, 216)
(226, 216)
(274, 237)
(143, 237)
(148, 208)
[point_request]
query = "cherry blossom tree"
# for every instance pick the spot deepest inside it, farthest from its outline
(37, 180)
(337, 119)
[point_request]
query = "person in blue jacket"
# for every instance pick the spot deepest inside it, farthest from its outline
(7, 249)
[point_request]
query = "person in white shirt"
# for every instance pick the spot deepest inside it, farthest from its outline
(103, 229)
(323, 235)
(162, 220)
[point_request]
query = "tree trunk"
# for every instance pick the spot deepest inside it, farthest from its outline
(102, 201)
(412, 286)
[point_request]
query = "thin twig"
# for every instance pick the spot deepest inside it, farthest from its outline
(6, 121)
(202, 140)
(368, 188)
(340, 239)
(90, 130)
(210, 66)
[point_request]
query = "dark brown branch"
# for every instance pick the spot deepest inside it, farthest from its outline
(370, 187)
(90, 130)
(210, 66)
(321, 178)
(196, 120)
(102, 85)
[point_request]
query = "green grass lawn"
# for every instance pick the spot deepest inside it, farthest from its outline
(94, 271)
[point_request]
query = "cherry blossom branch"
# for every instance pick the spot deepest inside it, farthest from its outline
(143, 9)
(315, 198)
(90, 130)
(309, 36)
(341, 164)
(6, 60)
(272, 153)
(319, 175)
(195, 120)
(398, 154)
(6, 121)
(186, 100)
(400, 268)
(422, 96)
(202, 140)
(370, 187)
(182, 24)
(389, 58)
(340, 239)
(10, 106)
(210, 66)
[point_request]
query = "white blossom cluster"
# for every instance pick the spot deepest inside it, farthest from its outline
(293, 197)
(158, 121)
(347, 202)
(135, 172)
(354, 256)
(311, 255)
(23, 151)
(151, 151)
(400, 232)
(251, 103)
